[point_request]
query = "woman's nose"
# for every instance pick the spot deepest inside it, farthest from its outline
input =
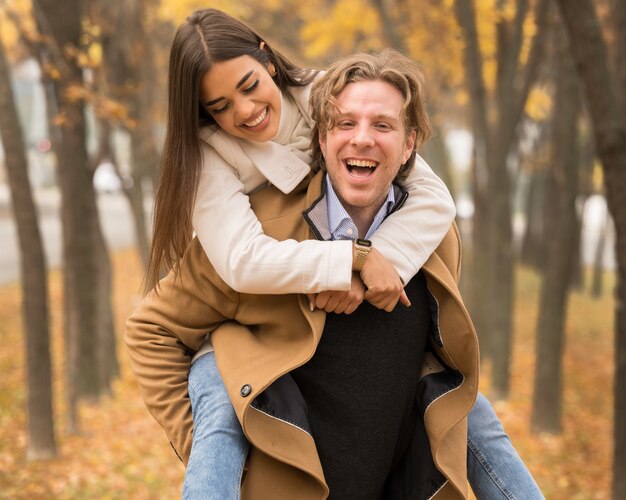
(244, 109)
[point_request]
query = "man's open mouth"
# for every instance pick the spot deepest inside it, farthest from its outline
(361, 169)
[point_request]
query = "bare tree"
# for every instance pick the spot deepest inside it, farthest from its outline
(41, 439)
(597, 279)
(494, 142)
(61, 23)
(130, 76)
(562, 228)
(607, 115)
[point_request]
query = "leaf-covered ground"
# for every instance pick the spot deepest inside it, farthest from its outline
(122, 453)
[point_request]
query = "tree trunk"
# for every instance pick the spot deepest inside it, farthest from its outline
(590, 54)
(108, 365)
(41, 440)
(472, 58)
(492, 303)
(533, 244)
(62, 22)
(129, 64)
(597, 279)
(562, 227)
(107, 352)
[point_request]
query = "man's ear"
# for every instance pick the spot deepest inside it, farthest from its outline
(321, 139)
(409, 146)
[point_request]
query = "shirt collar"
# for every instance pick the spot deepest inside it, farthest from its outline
(340, 223)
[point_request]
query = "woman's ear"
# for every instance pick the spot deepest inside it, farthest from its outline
(271, 68)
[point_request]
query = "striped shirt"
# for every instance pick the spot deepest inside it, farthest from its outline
(340, 223)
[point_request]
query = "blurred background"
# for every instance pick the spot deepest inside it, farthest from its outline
(527, 98)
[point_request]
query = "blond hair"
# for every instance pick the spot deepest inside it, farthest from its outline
(388, 66)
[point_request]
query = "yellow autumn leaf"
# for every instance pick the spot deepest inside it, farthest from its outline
(538, 104)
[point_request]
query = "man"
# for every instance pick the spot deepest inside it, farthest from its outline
(374, 407)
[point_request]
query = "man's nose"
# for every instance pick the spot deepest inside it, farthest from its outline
(362, 137)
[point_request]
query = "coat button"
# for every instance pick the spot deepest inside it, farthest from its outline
(246, 390)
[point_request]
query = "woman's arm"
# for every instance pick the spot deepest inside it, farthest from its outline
(244, 257)
(410, 235)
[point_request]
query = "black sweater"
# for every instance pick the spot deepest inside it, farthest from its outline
(360, 390)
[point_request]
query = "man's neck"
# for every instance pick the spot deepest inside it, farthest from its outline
(364, 220)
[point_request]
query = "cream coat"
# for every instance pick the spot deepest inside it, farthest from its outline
(251, 261)
(269, 336)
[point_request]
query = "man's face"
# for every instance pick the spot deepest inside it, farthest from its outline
(367, 146)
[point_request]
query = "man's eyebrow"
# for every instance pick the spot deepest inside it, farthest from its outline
(239, 84)
(386, 116)
(379, 116)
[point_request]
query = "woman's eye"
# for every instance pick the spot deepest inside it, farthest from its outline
(217, 111)
(249, 89)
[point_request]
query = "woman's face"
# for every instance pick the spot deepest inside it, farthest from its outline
(242, 98)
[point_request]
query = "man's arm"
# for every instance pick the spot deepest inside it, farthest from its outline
(165, 331)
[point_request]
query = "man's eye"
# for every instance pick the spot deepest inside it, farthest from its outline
(345, 124)
(383, 126)
(251, 87)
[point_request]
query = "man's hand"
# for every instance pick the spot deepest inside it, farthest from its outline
(384, 287)
(340, 302)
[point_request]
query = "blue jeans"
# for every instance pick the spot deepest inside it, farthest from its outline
(494, 468)
(219, 448)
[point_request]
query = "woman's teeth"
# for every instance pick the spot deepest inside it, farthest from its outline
(258, 120)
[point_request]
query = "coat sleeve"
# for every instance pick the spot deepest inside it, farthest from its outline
(164, 332)
(245, 258)
(409, 236)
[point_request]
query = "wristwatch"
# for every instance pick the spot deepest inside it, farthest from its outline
(362, 249)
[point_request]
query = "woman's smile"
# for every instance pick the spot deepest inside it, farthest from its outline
(243, 98)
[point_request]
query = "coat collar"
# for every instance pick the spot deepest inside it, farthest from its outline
(316, 215)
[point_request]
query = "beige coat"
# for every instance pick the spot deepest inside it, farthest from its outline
(269, 336)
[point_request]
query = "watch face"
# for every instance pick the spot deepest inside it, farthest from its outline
(364, 243)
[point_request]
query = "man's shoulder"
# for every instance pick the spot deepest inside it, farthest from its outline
(449, 251)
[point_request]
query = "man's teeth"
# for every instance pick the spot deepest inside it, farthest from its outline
(254, 123)
(361, 163)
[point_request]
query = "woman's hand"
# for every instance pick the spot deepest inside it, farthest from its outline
(384, 286)
(339, 302)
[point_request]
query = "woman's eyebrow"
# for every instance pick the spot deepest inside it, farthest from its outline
(239, 84)
(244, 78)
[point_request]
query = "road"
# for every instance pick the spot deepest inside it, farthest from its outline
(115, 218)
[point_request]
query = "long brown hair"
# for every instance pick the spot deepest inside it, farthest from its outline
(206, 37)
